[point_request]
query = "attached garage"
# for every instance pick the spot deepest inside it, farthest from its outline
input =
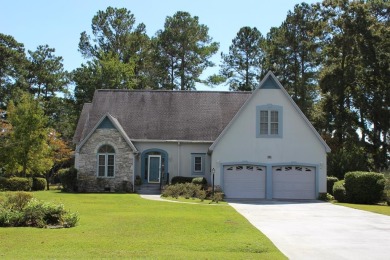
(293, 182)
(244, 181)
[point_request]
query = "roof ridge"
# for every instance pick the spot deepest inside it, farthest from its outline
(173, 91)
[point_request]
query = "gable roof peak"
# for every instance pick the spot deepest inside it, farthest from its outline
(270, 82)
(116, 125)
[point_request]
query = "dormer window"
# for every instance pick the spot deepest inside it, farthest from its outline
(269, 121)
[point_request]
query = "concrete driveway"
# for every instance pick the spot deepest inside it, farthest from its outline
(319, 230)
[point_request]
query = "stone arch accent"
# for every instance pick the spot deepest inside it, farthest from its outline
(88, 179)
(100, 144)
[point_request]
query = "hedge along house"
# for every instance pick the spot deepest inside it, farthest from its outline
(257, 144)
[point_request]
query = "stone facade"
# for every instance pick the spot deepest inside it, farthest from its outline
(88, 181)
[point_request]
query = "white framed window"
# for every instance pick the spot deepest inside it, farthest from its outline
(198, 164)
(269, 121)
(106, 161)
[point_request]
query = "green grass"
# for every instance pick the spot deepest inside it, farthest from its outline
(127, 226)
(380, 209)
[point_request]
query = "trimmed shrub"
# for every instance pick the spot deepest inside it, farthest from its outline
(339, 191)
(186, 190)
(18, 184)
(330, 180)
(217, 197)
(181, 179)
(209, 191)
(68, 179)
(364, 187)
(174, 191)
(200, 181)
(39, 184)
(201, 194)
(325, 196)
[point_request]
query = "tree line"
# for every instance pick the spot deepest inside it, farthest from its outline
(332, 57)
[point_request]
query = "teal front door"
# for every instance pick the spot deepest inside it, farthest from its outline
(154, 168)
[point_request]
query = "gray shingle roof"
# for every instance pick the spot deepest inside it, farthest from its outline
(81, 125)
(163, 115)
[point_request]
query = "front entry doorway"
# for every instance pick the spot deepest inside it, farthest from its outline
(154, 168)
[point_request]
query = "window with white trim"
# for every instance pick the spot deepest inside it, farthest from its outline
(269, 121)
(198, 164)
(106, 161)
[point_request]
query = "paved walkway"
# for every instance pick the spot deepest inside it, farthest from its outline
(153, 197)
(319, 230)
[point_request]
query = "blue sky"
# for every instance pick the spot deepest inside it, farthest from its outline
(59, 23)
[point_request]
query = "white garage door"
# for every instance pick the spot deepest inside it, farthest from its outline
(244, 181)
(293, 182)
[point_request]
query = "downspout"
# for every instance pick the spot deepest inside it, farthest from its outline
(133, 181)
(178, 158)
(135, 162)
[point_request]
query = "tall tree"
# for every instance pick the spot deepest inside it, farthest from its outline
(293, 52)
(13, 63)
(371, 93)
(185, 48)
(27, 147)
(115, 34)
(354, 81)
(60, 152)
(107, 73)
(46, 72)
(243, 65)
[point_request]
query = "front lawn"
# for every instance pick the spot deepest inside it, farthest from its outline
(127, 226)
(381, 209)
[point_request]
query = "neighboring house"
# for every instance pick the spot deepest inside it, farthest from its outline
(256, 144)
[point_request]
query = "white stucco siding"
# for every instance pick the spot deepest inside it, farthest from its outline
(298, 144)
(179, 156)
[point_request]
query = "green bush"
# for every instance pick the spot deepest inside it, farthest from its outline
(209, 191)
(186, 190)
(21, 209)
(330, 180)
(70, 219)
(16, 201)
(364, 187)
(325, 196)
(339, 192)
(39, 184)
(10, 218)
(181, 179)
(201, 194)
(217, 197)
(18, 184)
(68, 179)
(3, 183)
(174, 191)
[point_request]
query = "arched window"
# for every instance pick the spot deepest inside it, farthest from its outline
(106, 161)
